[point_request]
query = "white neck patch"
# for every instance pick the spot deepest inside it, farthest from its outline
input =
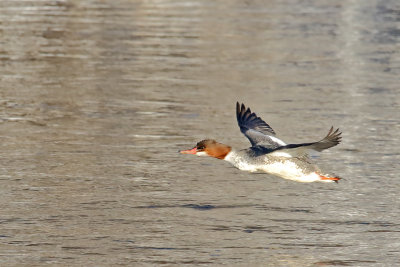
(228, 156)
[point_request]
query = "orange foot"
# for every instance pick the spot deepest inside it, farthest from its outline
(335, 179)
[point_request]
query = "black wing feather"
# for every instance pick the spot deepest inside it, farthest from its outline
(254, 128)
(249, 120)
(333, 138)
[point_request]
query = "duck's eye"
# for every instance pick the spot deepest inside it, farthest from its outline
(200, 147)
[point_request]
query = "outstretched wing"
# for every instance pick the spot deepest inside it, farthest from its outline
(297, 150)
(255, 129)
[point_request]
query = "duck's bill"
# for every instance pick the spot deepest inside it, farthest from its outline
(189, 151)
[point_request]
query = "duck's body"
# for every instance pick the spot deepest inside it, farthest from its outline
(289, 168)
(268, 153)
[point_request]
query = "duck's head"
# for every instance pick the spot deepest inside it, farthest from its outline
(209, 147)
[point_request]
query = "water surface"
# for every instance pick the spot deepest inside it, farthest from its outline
(97, 97)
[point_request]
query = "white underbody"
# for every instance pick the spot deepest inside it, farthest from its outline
(284, 166)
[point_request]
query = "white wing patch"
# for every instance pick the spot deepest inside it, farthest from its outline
(290, 152)
(277, 140)
(281, 154)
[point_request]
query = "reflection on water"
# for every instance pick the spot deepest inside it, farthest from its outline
(97, 97)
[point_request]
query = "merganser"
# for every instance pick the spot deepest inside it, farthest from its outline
(268, 153)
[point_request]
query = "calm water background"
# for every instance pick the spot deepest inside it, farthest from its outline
(97, 97)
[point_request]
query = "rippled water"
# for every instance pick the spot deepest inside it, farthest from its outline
(97, 97)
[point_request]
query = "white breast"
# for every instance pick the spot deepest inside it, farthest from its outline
(239, 162)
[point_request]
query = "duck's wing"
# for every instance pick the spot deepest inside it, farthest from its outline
(298, 150)
(255, 129)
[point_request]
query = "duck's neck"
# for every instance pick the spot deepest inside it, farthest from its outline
(219, 151)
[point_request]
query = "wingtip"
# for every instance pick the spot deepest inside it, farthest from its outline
(334, 132)
(241, 110)
(241, 107)
(237, 111)
(335, 136)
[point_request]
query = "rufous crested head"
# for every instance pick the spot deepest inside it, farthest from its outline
(209, 147)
